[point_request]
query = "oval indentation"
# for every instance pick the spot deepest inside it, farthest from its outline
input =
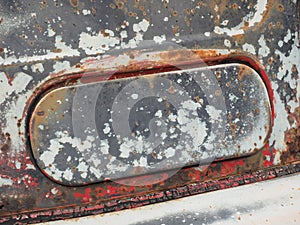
(113, 129)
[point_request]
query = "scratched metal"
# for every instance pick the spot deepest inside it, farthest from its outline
(45, 40)
(132, 126)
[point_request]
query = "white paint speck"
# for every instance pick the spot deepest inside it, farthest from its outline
(106, 129)
(19, 83)
(61, 66)
(158, 114)
(54, 191)
(264, 50)
(68, 175)
(249, 48)
(5, 181)
(227, 43)
(93, 44)
(224, 22)
(159, 39)
(86, 12)
(134, 96)
(207, 34)
(37, 68)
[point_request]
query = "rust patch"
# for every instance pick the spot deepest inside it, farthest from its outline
(40, 29)
(292, 139)
(280, 8)
(104, 33)
(56, 50)
(175, 30)
(240, 38)
(111, 5)
(5, 142)
(42, 115)
(235, 6)
(74, 3)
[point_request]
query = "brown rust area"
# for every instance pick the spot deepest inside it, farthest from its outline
(280, 8)
(253, 162)
(175, 30)
(170, 58)
(5, 142)
(292, 139)
(105, 34)
(56, 50)
(244, 71)
(240, 38)
(74, 3)
(235, 6)
(41, 114)
(186, 55)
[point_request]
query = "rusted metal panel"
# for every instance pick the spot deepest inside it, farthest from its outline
(47, 41)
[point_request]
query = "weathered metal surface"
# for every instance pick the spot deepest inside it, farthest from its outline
(132, 126)
(45, 41)
(274, 202)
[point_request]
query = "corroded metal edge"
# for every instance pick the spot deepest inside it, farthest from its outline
(155, 197)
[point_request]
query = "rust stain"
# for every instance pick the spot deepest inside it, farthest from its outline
(74, 3)
(105, 34)
(280, 8)
(41, 115)
(5, 142)
(292, 139)
(40, 29)
(56, 50)
(240, 38)
(244, 71)
(175, 30)
(112, 5)
(235, 6)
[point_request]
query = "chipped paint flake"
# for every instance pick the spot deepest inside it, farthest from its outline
(86, 12)
(61, 66)
(264, 50)
(159, 39)
(5, 182)
(227, 43)
(19, 83)
(249, 48)
(100, 43)
(37, 68)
